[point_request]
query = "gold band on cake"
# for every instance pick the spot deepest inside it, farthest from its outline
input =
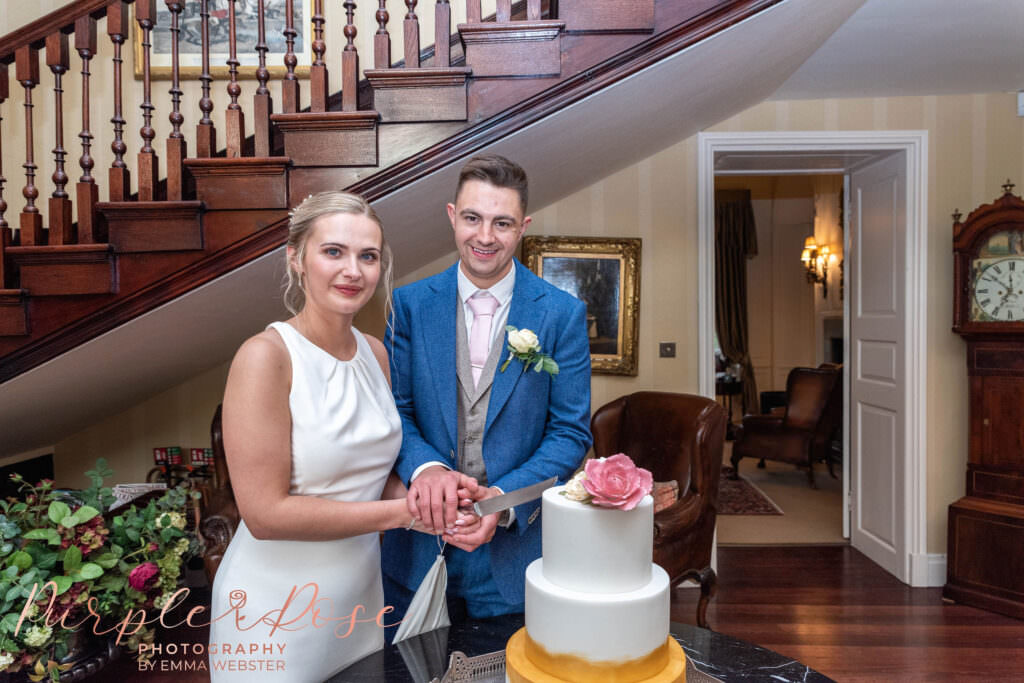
(528, 662)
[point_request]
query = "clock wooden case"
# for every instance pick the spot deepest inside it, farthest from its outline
(985, 561)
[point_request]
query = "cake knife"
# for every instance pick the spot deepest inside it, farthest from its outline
(512, 498)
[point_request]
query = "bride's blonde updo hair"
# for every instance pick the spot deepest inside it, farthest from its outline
(300, 226)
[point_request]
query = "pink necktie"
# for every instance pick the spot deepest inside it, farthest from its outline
(483, 305)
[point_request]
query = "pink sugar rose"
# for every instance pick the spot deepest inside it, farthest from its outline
(144, 576)
(616, 482)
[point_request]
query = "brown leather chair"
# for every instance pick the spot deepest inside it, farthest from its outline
(677, 437)
(219, 514)
(801, 432)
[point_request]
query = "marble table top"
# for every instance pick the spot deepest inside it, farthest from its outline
(420, 659)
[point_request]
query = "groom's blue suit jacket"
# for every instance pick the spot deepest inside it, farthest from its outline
(537, 425)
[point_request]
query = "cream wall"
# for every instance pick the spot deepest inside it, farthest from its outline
(179, 416)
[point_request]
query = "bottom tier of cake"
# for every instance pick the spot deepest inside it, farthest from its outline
(521, 668)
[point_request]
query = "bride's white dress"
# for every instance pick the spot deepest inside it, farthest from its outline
(345, 437)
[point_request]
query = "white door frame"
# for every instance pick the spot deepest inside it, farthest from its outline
(918, 568)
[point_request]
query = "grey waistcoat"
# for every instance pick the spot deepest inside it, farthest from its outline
(473, 401)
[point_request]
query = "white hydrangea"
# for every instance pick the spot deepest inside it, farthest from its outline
(37, 636)
(175, 519)
(181, 546)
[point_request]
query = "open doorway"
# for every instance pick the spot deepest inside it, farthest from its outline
(885, 418)
(794, 324)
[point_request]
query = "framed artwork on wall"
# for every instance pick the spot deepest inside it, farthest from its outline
(190, 44)
(604, 274)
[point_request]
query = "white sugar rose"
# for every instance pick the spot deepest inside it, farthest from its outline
(6, 659)
(523, 341)
(574, 489)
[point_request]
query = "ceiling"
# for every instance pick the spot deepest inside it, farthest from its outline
(201, 329)
(890, 48)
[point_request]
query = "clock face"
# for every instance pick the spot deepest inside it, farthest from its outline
(998, 291)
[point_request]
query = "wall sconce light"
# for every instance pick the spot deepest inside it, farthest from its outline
(816, 261)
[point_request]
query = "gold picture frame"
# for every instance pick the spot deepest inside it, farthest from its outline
(190, 56)
(604, 274)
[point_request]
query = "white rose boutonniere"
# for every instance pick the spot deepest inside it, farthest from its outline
(524, 345)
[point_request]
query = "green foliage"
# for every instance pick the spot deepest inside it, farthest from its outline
(57, 551)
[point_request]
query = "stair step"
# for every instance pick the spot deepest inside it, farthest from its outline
(516, 48)
(65, 269)
(13, 313)
(333, 138)
(241, 182)
(424, 94)
(153, 226)
(607, 16)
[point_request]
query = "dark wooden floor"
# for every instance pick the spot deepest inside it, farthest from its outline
(826, 606)
(836, 611)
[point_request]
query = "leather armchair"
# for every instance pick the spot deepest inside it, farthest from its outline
(801, 432)
(219, 514)
(677, 437)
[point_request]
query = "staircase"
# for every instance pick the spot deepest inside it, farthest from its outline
(214, 198)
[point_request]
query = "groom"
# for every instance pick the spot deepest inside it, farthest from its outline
(507, 428)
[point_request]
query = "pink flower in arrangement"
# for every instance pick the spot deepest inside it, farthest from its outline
(616, 482)
(144, 576)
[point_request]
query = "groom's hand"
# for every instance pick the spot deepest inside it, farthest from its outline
(433, 497)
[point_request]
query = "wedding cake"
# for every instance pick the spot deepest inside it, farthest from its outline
(597, 608)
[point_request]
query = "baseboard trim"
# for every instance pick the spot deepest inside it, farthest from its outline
(928, 570)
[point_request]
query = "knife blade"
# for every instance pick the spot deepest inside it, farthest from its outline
(512, 498)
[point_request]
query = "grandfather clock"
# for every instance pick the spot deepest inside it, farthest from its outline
(986, 527)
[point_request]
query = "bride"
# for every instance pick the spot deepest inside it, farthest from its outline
(311, 433)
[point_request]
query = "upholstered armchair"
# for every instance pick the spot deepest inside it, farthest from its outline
(801, 432)
(219, 514)
(677, 437)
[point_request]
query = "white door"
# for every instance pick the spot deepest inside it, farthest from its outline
(877, 372)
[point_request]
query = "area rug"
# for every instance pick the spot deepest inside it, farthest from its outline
(740, 497)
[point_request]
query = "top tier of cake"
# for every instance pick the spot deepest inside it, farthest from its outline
(596, 550)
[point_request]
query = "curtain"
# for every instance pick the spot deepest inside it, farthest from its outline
(735, 242)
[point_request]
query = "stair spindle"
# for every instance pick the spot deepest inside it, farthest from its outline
(5, 229)
(473, 13)
(234, 117)
(262, 103)
(381, 39)
(411, 31)
(149, 164)
(318, 70)
(503, 13)
(290, 84)
(177, 146)
(533, 10)
(206, 134)
(350, 61)
(58, 58)
(119, 175)
(442, 34)
(26, 61)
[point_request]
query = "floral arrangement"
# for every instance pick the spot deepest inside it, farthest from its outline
(101, 569)
(524, 345)
(613, 482)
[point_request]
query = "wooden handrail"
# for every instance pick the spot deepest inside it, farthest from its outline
(62, 19)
